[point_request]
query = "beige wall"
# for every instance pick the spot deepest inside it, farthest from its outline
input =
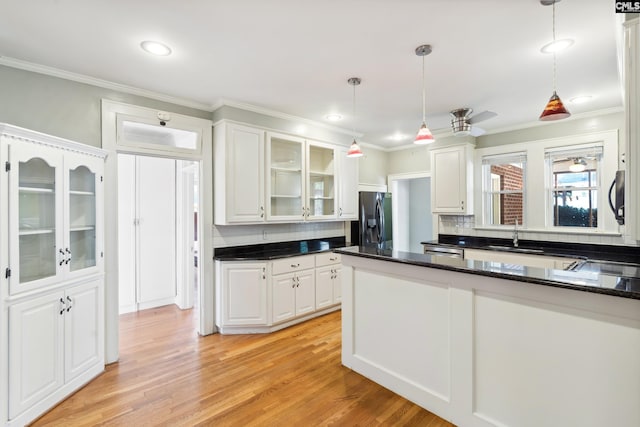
(412, 159)
(65, 108)
(373, 168)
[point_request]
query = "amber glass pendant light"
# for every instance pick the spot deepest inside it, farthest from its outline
(354, 149)
(555, 109)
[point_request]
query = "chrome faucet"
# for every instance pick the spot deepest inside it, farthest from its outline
(515, 235)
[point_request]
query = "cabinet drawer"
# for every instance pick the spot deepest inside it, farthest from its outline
(327, 258)
(289, 265)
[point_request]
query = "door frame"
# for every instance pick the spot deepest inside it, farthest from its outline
(392, 184)
(110, 112)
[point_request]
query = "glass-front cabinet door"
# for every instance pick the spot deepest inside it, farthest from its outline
(321, 167)
(35, 217)
(83, 185)
(285, 178)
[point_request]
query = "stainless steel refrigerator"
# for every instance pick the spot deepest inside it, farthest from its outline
(374, 220)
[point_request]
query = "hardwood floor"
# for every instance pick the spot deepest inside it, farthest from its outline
(168, 375)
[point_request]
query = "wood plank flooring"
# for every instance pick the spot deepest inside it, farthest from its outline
(168, 375)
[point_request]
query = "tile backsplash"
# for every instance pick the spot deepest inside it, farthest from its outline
(465, 225)
(239, 235)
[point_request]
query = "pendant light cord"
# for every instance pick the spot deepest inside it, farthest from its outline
(424, 115)
(354, 111)
(553, 25)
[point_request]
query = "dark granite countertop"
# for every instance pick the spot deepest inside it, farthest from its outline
(268, 251)
(596, 278)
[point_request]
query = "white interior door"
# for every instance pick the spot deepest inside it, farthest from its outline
(156, 231)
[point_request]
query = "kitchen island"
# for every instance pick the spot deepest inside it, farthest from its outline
(486, 344)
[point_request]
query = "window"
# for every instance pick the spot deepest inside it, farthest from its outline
(503, 187)
(574, 186)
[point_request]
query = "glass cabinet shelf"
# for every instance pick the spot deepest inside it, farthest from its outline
(35, 190)
(285, 196)
(82, 193)
(30, 232)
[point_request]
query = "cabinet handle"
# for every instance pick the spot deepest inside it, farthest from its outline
(333, 259)
(303, 212)
(70, 305)
(62, 306)
(340, 214)
(261, 211)
(295, 265)
(462, 204)
(61, 253)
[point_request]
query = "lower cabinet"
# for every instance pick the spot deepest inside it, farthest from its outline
(54, 339)
(293, 295)
(243, 298)
(263, 296)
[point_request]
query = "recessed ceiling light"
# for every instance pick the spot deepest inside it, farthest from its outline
(398, 137)
(155, 48)
(556, 46)
(581, 99)
(333, 117)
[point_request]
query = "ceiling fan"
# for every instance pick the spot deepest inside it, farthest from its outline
(461, 121)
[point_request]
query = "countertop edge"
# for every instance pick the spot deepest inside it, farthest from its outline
(525, 279)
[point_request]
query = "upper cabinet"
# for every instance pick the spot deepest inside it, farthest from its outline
(268, 176)
(239, 184)
(347, 186)
(54, 215)
(451, 180)
(285, 178)
(321, 180)
(301, 179)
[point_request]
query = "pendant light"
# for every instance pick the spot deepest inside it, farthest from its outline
(424, 135)
(554, 110)
(354, 150)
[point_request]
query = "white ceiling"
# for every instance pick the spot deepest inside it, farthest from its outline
(295, 56)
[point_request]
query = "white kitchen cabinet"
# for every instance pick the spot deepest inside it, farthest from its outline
(321, 167)
(452, 180)
(347, 186)
(51, 250)
(285, 178)
(264, 296)
(242, 294)
(53, 339)
(328, 280)
(301, 179)
(293, 295)
(239, 181)
(55, 199)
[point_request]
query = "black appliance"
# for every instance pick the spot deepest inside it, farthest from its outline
(617, 206)
(374, 220)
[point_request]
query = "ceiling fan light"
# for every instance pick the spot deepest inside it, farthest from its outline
(424, 135)
(578, 165)
(556, 46)
(354, 150)
(554, 110)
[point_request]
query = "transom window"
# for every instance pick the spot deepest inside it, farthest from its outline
(503, 188)
(574, 186)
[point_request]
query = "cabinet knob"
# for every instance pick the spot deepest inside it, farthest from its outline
(70, 304)
(62, 306)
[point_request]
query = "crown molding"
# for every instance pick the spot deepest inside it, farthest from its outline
(280, 115)
(105, 84)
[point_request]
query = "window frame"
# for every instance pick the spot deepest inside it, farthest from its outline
(581, 150)
(487, 193)
(537, 178)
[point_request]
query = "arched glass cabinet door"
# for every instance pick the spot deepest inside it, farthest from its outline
(35, 217)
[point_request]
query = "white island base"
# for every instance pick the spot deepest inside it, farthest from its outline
(484, 351)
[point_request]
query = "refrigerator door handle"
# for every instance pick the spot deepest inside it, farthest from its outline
(380, 220)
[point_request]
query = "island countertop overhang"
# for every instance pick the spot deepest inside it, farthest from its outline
(585, 281)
